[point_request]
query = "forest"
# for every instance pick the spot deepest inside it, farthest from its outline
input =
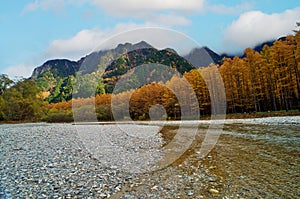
(263, 81)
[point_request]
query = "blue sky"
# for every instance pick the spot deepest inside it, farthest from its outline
(33, 31)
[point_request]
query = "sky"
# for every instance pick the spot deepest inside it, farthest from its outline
(34, 31)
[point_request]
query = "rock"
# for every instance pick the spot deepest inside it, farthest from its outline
(128, 196)
(190, 193)
(102, 195)
(213, 191)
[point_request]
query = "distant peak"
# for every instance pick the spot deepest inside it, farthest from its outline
(143, 44)
(202, 57)
(56, 60)
(127, 44)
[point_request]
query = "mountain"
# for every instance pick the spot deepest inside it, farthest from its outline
(99, 60)
(88, 64)
(154, 70)
(139, 57)
(202, 57)
(58, 67)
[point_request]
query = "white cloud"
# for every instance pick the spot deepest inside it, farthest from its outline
(56, 5)
(87, 41)
(167, 12)
(140, 7)
(254, 27)
(170, 20)
(21, 70)
(80, 44)
(229, 10)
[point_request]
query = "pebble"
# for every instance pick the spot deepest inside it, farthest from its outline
(102, 195)
(190, 193)
(213, 191)
(128, 196)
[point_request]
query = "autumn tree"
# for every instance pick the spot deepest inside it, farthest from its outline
(22, 101)
(200, 88)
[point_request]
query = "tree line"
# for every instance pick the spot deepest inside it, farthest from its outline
(264, 81)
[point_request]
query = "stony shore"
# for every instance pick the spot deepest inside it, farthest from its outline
(51, 161)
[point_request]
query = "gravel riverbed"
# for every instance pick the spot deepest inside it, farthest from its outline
(254, 158)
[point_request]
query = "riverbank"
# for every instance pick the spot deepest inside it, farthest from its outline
(227, 116)
(256, 115)
(253, 158)
(263, 114)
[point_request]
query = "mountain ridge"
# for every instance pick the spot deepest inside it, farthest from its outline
(90, 62)
(199, 57)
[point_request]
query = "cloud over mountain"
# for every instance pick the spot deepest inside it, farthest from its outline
(254, 27)
(89, 40)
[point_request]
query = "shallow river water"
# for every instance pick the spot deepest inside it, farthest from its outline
(252, 158)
